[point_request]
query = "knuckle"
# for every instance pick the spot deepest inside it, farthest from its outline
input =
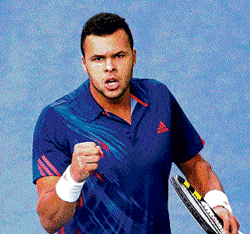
(87, 151)
(91, 151)
(84, 145)
(227, 217)
(95, 151)
(95, 159)
(88, 144)
(77, 150)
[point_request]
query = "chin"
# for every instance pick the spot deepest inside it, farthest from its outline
(114, 96)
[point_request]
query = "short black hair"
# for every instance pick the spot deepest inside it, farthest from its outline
(105, 24)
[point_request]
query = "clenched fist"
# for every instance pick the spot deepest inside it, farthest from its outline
(84, 160)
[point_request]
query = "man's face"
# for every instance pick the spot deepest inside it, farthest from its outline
(109, 62)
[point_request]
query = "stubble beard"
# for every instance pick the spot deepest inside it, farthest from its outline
(117, 97)
(112, 98)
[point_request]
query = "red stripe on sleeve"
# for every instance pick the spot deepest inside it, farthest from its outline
(41, 170)
(51, 166)
(43, 166)
(203, 142)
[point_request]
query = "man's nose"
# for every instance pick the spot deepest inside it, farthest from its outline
(110, 65)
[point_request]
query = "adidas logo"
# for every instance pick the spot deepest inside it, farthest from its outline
(162, 128)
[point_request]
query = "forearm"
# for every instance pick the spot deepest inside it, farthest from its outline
(58, 195)
(200, 174)
(202, 177)
(54, 213)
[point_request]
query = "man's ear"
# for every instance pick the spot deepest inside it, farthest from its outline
(134, 57)
(83, 64)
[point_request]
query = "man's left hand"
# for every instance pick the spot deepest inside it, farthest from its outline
(230, 223)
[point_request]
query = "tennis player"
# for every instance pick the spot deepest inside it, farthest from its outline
(103, 153)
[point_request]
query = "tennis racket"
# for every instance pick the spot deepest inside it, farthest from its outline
(200, 210)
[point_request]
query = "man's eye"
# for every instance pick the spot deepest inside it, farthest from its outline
(97, 59)
(120, 55)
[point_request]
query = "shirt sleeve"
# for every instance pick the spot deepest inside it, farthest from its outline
(51, 152)
(185, 139)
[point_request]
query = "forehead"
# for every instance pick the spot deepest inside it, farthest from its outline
(116, 42)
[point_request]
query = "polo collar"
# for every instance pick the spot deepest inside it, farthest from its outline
(139, 92)
(91, 110)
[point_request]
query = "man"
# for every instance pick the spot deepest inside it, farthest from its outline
(102, 154)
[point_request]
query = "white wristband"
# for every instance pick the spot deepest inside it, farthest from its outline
(217, 198)
(67, 189)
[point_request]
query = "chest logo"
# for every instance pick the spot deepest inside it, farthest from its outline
(162, 128)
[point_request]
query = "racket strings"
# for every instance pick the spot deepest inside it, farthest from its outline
(196, 205)
(214, 221)
(212, 215)
(192, 200)
(207, 212)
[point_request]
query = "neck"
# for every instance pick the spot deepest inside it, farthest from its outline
(116, 104)
(120, 106)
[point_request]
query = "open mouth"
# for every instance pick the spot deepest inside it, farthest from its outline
(111, 83)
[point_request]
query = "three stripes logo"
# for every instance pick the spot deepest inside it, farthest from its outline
(46, 168)
(162, 128)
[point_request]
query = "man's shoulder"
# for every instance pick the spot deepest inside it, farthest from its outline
(70, 98)
(64, 105)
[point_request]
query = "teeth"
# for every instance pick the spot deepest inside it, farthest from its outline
(111, 81)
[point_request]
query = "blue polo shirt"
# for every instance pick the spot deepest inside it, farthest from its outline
(128, 193)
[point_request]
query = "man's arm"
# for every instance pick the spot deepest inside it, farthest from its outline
(55, 207)
(200, 174)
(54, 213)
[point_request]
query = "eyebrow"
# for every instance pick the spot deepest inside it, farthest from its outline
(97, 56)
(103, 56)
(121, 52)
